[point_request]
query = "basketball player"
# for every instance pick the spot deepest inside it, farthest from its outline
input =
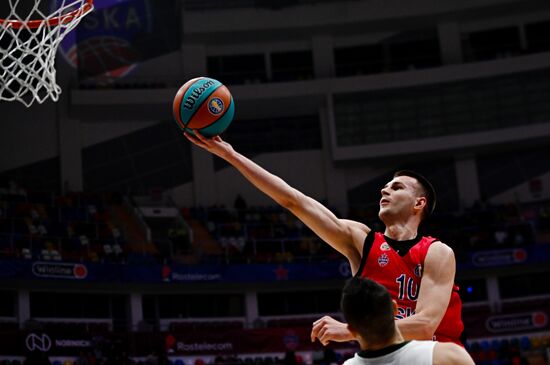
(399, 259)
(370, 312)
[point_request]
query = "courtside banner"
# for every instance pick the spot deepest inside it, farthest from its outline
(21, 343)
(205, 342)
(515, 318)
(506, 257)
(243, 273)
(238, 273)
(244, 341)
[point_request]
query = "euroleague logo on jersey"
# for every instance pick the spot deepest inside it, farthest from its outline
(383, 260)
(385, 247)
(418, 270)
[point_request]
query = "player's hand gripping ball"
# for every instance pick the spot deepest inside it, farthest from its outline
(204, 104)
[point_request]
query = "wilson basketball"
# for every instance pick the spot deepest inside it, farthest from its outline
(204, 104)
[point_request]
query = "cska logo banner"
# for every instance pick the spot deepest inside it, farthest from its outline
(118, 34)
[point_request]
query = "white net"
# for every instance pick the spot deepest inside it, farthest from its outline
(30, 33)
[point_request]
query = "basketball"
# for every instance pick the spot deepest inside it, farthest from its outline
(204, 104)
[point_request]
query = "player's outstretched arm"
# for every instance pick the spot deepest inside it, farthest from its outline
(451, 354)
(345, 236)
(434, 295)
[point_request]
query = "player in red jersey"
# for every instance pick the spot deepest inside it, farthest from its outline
(401, 260)
(418, 271)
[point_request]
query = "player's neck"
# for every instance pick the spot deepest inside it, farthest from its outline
(396, 339)
(401, 231)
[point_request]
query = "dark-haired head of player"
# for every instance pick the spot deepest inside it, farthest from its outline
(408, 198)
(369, 312)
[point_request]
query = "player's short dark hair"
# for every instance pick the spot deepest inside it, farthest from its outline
(428, 188)
(368, 309)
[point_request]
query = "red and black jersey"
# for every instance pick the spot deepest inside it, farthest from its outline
(398, 266)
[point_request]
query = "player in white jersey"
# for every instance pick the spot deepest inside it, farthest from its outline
(370, 315)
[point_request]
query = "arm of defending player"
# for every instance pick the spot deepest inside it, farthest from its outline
(343, 235)
(434, 296)
(451, 354)
(328, 329)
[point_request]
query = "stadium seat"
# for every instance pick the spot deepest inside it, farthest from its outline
(26, 253)
(55, 255)
(495, 344)
(107, 249)
(525, 343)
(45, 254)
(536, 342)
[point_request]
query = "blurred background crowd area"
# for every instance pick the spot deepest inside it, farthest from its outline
(108, 227)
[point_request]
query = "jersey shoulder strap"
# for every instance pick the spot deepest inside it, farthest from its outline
(367, 246)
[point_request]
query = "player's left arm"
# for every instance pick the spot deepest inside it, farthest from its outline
(435, 293)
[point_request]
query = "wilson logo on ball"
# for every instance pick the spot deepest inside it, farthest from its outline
(192, 99)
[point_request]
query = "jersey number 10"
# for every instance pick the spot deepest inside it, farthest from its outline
(407, 284)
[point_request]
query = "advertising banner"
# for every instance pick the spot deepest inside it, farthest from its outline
(204, 342)
(106, 272)
(529, 317)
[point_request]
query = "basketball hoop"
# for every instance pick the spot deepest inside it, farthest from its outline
(28, 44)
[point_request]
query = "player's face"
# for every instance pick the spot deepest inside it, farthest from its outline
(398, 199)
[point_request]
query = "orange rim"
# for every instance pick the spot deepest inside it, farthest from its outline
(63, 19)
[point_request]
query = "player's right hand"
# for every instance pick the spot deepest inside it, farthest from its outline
(214, 145)
(328, 329)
